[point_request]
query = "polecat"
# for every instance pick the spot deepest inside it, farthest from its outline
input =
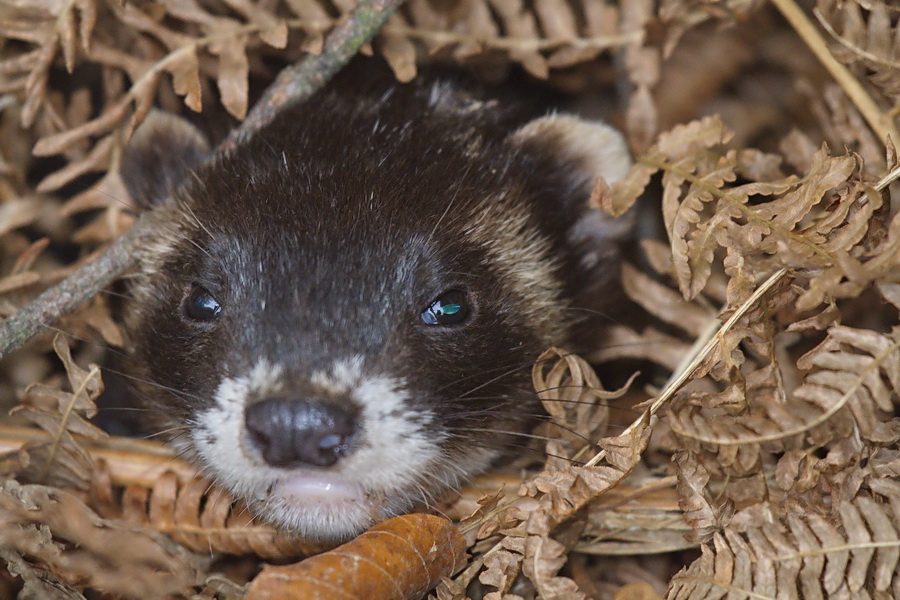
(337, 317)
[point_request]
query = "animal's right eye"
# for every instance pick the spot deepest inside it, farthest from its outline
(201, 305)
(450, 308)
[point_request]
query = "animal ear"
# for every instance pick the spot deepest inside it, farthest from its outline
(567, 155)
(562, 156)
(159, 157)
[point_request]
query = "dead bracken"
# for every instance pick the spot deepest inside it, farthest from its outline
(756, 453)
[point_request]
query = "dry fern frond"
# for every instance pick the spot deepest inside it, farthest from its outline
(155, 53)
(549, 501)
(64, 415)
(851, 369)
(198, 515)
(640, 517)
(867, 33)
(142, 483)
(804, 554)
(59, 539)
(702, 212)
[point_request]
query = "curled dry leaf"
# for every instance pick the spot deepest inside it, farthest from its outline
(699, 512)
(573, 396)
(400, 559)
(544, 558)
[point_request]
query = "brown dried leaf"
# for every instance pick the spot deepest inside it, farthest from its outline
(54, 529)
(399, 559)
(18, 213)
(233, 72)
(38, 583)
(544, 557)
(872, 39)
(98, 159)
(398, 51)
(803, 550)
(664, 303)
(185, 506)
(700, 514)
(185, 70)
(859, 369)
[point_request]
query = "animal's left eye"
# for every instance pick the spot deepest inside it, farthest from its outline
(449, 308)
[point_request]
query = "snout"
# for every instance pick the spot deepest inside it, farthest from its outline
(290, 432)
(324, 454)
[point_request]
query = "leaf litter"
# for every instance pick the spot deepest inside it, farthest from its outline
(754, 455)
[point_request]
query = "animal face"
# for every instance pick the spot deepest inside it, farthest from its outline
(338, 318)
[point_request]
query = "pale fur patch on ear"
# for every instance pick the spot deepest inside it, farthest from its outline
(594, 150)
(596, 147)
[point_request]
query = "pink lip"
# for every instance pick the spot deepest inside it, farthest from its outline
(327, 490)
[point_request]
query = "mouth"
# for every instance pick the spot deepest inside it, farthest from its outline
(323, 507)
(319, 489)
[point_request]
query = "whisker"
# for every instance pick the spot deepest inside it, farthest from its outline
(598, 313)
(114, 294)
(507, 447)
(510, 367)
(532, 436)
(165, 431)
(181, 394)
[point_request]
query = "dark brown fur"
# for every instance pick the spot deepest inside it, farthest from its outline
(326, 234)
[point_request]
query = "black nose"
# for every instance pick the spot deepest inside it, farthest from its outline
(311, 432)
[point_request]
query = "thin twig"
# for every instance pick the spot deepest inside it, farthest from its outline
(702, 349)
(72, 291)
(294, 84)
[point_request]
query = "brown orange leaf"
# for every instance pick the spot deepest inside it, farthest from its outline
(399, 559)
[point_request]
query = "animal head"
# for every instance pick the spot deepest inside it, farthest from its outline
(338, 317)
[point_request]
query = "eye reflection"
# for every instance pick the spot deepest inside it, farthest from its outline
(450, 308)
